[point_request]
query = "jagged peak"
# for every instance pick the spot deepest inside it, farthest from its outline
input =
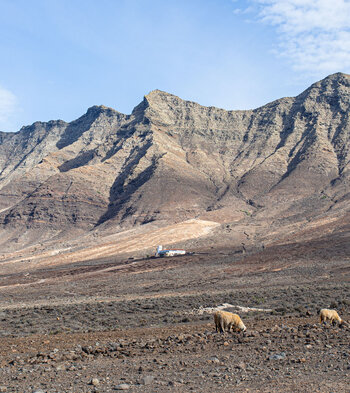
(155, 97)
(154, 94)
(38, 124)
(338, 76)
(158, 101)
(98, 109)
(331, 85)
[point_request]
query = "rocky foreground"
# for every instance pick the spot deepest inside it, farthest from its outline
(145, 325)
(276, 354)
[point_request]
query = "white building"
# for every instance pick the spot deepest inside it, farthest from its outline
(168, 253)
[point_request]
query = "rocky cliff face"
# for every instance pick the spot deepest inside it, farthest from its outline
(171, 160)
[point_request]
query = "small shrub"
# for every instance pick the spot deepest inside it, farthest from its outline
(143, 322)
(281, 310)
(258, 300)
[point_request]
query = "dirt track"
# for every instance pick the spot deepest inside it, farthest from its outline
(136, 322)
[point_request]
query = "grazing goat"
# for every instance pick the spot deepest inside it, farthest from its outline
(226, 320)
(331, 316)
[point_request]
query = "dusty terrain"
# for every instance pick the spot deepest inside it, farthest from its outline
(139, 324)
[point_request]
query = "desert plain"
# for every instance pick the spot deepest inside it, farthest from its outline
(145, 324)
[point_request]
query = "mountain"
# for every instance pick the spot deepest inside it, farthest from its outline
(172, 160)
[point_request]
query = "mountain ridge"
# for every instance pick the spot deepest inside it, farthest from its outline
(158, 92)
(171, 160)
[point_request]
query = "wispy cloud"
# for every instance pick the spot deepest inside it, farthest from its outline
(8, 105)
(313, 35)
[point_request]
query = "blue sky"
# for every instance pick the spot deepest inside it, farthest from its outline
(59, 57)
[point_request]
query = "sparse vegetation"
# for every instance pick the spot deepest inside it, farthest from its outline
(127, 313)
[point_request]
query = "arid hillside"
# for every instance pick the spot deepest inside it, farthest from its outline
(250, 176)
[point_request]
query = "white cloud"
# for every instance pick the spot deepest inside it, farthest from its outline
(313, 35)
(8, 105)
(242, 11)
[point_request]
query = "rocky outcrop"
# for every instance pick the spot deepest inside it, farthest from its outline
(171, 160)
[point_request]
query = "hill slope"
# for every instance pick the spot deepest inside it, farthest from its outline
(172, 160)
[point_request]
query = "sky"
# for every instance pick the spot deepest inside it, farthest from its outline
(60, 57)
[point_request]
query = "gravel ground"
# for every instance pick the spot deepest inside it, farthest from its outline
(84, 329)
(275, 354)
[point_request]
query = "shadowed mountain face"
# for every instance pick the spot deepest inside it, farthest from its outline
(172, 160)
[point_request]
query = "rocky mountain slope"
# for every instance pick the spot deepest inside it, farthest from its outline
(173, 160)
